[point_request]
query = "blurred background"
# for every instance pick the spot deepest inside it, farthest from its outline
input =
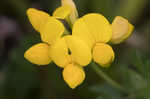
(20, 79)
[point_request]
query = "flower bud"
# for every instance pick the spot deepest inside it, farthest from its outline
(121, 30)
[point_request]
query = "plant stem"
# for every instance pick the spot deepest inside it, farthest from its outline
(107, 78)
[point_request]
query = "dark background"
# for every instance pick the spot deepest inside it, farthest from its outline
(20, 79)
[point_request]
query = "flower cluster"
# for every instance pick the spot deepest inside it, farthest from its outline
(88, 40)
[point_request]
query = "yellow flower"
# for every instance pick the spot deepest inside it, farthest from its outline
(50, 30)
(121, 30)
(96, 31)
(38, 54)
(72, 54)
(90, 35)
(69, 52)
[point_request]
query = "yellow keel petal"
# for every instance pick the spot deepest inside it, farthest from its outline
(38, 54)
(73, 75)
(103, 54)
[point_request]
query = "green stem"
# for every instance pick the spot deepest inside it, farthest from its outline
(107, 78)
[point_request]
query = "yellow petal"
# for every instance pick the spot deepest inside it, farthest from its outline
(62, 12)
(52, 30)
(80, 52)
(73, 75)
(38, 54)
(121, 30)
(98, 26)
(59, 53)
(37, 18)
(103, 54)
(80, 30)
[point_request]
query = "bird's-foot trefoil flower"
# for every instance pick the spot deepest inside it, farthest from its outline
(96, 31)
(50, 30)
(89, 40)
(72, 54)
(38, 54)
(69, 52)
